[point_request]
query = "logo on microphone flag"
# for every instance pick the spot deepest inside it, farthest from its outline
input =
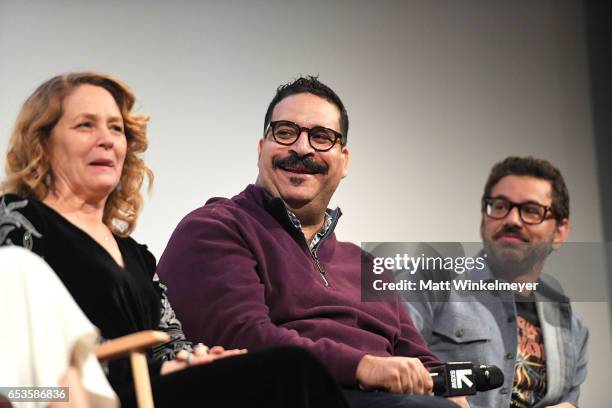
(460, 377)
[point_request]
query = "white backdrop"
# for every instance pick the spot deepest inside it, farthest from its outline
(437, 92)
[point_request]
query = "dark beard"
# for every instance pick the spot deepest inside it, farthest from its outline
(510, 260)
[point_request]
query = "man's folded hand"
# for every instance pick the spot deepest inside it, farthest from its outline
(401, 375)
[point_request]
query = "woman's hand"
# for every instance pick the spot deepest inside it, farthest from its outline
(201, 355)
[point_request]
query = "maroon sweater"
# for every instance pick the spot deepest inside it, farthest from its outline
(240, 275)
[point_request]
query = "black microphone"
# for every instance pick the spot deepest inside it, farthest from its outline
(458, 378)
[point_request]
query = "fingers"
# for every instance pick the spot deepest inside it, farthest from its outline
(402, 375)
(221, 352)
(216, 350)
(397, 384)
(209, 358)
(234, 352)
(424, 381)
(413, 384)
(200, 349)
(407, 382)
(172, 366)
(414, 377)
(418, 383)
(205, 359)
(183, 355)
(428, 381)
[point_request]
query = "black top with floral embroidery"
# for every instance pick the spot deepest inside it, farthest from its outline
(117, 300)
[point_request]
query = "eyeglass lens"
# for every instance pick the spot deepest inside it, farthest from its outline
(287, 133)
(530, 213)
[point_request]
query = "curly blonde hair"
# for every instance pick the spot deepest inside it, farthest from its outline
(27, 165)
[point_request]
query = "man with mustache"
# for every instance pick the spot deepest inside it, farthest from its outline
(264, 268)
(535, 338)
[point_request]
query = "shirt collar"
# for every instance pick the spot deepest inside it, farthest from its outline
(276, 207)
(320, 234)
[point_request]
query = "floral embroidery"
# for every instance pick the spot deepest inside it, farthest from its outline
(10, 219)
(171, 325)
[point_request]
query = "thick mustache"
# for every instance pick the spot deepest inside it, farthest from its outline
(511, 231)
(295, 162)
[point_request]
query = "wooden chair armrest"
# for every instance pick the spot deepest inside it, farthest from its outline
(123, 346)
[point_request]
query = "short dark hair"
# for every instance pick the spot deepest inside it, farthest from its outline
(538, 168)
(309, 84)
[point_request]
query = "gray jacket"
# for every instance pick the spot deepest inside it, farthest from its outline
(482, 328)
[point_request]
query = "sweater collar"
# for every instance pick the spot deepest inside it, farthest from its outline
(277, 208)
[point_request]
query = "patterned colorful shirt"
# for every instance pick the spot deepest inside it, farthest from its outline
(530, 369)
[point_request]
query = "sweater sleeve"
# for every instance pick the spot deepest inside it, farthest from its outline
(214, 285)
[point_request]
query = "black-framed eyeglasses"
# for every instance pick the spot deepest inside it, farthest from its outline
(320, 138)
(531, 213)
